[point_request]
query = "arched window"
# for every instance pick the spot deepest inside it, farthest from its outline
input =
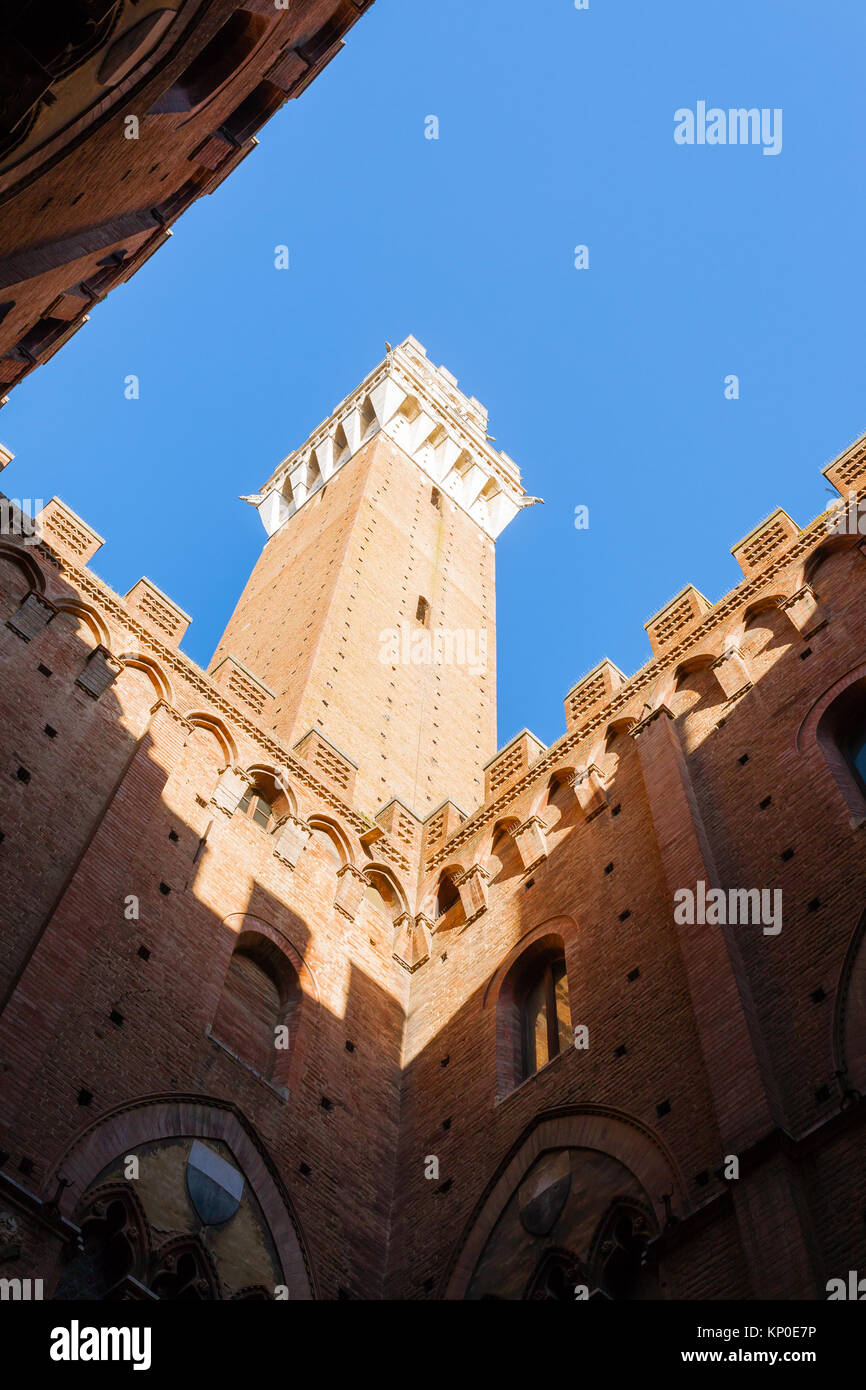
(184, 1276)
(545, 1015)
(110, 1251)
(261, 993)
(382, 893)
(620, 1255)
(841, 735)
(229, 48)
(257, 807)
(446, 895)
(849, 730)
(533, 1013)
(326, 842)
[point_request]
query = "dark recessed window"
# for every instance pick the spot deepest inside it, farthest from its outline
(226, 51)
(257, 807)
(545, 1015)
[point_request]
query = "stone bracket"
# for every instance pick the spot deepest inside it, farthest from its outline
(411, 947)
(292, 837)
(229, 790)
(804, 610)
(531, 842)
(732, 673)
(100, 672)
(34, 614)
(471, 884)
(350, 891)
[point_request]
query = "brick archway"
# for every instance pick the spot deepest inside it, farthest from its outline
(178, 1116)
(585, 1127)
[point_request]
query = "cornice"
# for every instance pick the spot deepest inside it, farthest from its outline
(646, 676)
(93, 587)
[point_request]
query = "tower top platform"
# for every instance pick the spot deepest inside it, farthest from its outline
(421, 408)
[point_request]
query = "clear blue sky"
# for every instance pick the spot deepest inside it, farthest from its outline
(605, 385)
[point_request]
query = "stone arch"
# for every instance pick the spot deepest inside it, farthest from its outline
(444, 898)
(613, 1132)
(533, 953)
(88, 615)
(557, 804)
(168, 1258)
(608, 749)
(326, 825)
(563, 927)
(825, 551)
(270, 782)
(766, 616)
(485, 846)
(24, 561)
(152, 669)
(380, 876)
(241, 923)
(276, 780)
(212, 724)
(502, 860)
(695, 692)
(114, 1232)
(152, 1118)
(260, 1005)
(767, 603)
(817, 731)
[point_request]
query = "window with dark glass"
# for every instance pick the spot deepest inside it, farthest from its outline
(257, 807)
(545, 1016)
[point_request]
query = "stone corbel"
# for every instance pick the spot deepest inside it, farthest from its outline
(292, 836)
(804, 610)
(531, 842)
(471, 884)
(34, 614)
(351, 888)
(650, 717)
(100, 671)
(410, 942)
(590, 790)
(229, 790)
(731, 672)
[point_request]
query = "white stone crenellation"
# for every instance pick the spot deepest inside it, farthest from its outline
(440, 429)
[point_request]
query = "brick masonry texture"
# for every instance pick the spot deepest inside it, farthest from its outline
(710, 763)
(82, 205)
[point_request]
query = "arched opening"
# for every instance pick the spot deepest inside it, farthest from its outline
(184, 1276)
(110, 1252)
(256, 805)
(560, 802)
(382, 894)
(841, 736)
(447, 895)
(327, 842)
(504, 861)
(265, 800)
(620, 1255)
(259, 1005)
(533, 1013)
(230, 46)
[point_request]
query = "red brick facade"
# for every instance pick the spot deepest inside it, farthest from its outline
(116, 117)
(704, 1135)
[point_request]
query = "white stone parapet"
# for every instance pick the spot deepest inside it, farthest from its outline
(440, 429)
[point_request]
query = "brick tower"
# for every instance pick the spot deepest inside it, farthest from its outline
(370, 615)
